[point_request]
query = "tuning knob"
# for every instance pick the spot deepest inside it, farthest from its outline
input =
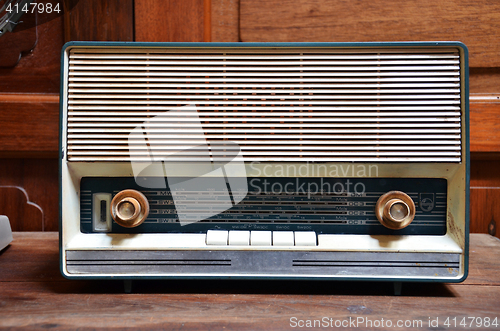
(395, 210)
(129, 208)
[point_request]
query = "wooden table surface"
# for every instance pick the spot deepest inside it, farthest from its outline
(34, 295)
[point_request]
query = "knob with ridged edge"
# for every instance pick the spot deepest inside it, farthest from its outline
(395, 210)
(129, 208)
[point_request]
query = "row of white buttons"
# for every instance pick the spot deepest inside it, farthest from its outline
(261, 238)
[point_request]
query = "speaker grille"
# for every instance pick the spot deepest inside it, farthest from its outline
(277, 104)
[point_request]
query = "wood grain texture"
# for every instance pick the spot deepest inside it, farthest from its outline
(225, 20)
(207, 20)
(483, 268)
(23, 214)
(484, 197)
(485, 123)
(476, 23)
(484, 80)
(485, 210)
(96, 20)
(33, 180)
(14, 44)
(35, 296)
(484, 173)
(170, 21)
(34, 251)
(39, 70)
(30, 124)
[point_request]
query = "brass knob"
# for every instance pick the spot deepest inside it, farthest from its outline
(129, 208)
(395, 210)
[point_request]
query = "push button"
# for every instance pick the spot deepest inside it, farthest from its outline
(217, 237)
(260, 238)
(239, 238)
(283, 238)
(305, 238)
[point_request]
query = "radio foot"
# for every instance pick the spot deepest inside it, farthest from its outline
(127, 284)
(397, 288)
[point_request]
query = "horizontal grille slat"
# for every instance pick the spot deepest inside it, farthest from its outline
(255, 108)
(255, 65)
(263, 79)
(294, 115)
(148, 90)
(228, 131)
(161, 126)
(150, 55)
(122, 121)
(278, 104)
(103, 143)
(259, 147)
(267, 71)
(260, 102)
(302, 88)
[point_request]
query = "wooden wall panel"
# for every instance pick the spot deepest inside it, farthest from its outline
(170, 20)
(24, 215)
(485, 213)
(476, 23)
(30, 124)
(97, 20)
(21, 42)
(29, 193)
(485, 123)
(39, 70)
(484, 80)
(485, 197)
(485, 174)
(29, 113)
(225, 21)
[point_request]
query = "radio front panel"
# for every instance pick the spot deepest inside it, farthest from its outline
(323, 205)
(265, 160)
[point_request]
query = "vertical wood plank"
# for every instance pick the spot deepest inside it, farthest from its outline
(207, 20)
(96, 20)
(170, 21)
(225, 20)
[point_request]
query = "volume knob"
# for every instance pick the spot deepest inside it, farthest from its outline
(129, 208)
(395, 210)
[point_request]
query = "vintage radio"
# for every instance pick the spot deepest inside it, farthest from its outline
(265, 160)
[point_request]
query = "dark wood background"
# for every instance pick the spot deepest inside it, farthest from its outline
(30, 64)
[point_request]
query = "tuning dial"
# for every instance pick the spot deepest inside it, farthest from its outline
(395, 210)
(129, 208)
